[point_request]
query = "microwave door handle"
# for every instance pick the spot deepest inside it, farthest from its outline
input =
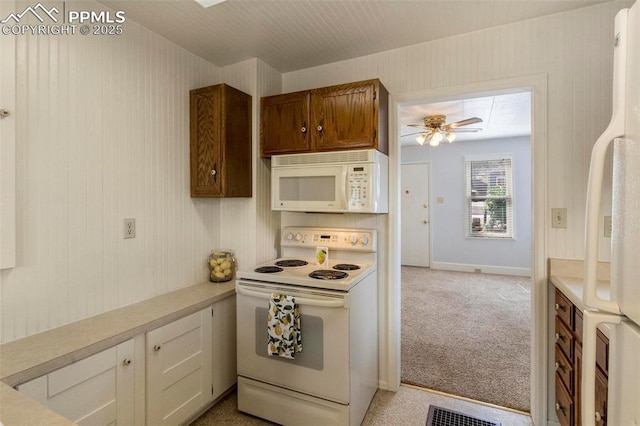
(342, 303)
(345, 195)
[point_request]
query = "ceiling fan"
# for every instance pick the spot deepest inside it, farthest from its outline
(435, 129)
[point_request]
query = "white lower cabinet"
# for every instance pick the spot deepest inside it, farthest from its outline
(179, 364)
(224, 346)
(163, 377)
(97, 390)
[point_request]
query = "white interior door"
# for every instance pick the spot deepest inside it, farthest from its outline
(415, 215)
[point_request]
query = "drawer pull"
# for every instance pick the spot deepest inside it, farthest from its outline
(126, 361)
(157, 347)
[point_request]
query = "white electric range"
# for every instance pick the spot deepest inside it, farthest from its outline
(333, 379)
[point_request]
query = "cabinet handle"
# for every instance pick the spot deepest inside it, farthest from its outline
(425, 221)
(214, 173)
(303, 129)
(320, 128)
(560, 367)
(157, 347)
(559, 336)
(599, 417)
(559, 407)
(4, 113)
(126, 361)
(560, 307)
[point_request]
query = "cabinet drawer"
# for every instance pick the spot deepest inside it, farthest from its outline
(578, 326)
(564, 309)
(602, 351)
(564, 370)
(564, 405)
(564, 339)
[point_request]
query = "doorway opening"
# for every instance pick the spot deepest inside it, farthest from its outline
(467, 215)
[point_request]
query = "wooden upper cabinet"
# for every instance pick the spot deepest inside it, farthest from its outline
(347, 116)
(284, 124)
(220, 133)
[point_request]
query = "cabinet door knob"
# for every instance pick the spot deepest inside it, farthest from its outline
(560, 367)
(4, 113)
(560, 307)
(126, 361)
(157, 347)
(214, 172)
(303, 129)
(559, 407)
(320, 128)
(559, 336)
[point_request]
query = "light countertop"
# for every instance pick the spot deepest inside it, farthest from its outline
(567, 276)
(33, 356)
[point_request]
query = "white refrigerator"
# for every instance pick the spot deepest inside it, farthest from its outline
(622, 312)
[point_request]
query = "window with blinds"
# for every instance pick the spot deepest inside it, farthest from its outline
(489, 193)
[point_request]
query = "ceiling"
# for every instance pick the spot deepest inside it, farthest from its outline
(295, 34)
(503, 115)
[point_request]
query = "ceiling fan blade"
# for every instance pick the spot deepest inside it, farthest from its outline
(421, 126)
(464, 122)
(415, 133)
(465, 130)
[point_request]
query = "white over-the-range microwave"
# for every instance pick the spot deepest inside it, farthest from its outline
(335, 182)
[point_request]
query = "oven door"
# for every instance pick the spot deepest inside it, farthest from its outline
(322, 368)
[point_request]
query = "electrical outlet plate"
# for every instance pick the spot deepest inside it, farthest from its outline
(559, 218)
(129, 228)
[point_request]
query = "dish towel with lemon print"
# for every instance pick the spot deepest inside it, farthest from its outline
(283, 322)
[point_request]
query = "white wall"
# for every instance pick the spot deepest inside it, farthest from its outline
(451, 249)
(102, 135)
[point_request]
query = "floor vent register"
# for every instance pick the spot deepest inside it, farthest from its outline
(442, 417)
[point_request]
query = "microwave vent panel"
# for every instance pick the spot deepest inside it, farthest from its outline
(334, 157)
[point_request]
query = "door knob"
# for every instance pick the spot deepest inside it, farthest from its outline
(425, 221)
(425, 206)
(4, 113)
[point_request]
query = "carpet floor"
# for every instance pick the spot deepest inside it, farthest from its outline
(467, 334)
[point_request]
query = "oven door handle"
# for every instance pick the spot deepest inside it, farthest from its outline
(342, 303)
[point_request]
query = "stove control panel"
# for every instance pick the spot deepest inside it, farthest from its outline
(335, 238)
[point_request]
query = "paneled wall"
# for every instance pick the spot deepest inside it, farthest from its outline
(574, 49)
(103, 135)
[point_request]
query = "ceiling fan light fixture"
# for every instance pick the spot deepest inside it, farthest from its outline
(436, 138)
(421, 139)
(450, 137)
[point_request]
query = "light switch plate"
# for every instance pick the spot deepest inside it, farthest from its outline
(607, 226)
(559, 218)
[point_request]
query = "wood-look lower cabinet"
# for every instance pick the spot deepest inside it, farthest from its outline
(97, 390)
(220, 133)
(342, 117)
(179, 363)
(568, 365)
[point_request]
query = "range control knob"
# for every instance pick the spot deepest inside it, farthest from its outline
(298, 236)
(364, 240)
(289, 236)
(353, 240)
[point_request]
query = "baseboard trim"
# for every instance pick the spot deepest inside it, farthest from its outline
(484, 269)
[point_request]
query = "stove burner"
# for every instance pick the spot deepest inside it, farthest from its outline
(291, 262)
(328, 274)
(268, 269)
(346, 267)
